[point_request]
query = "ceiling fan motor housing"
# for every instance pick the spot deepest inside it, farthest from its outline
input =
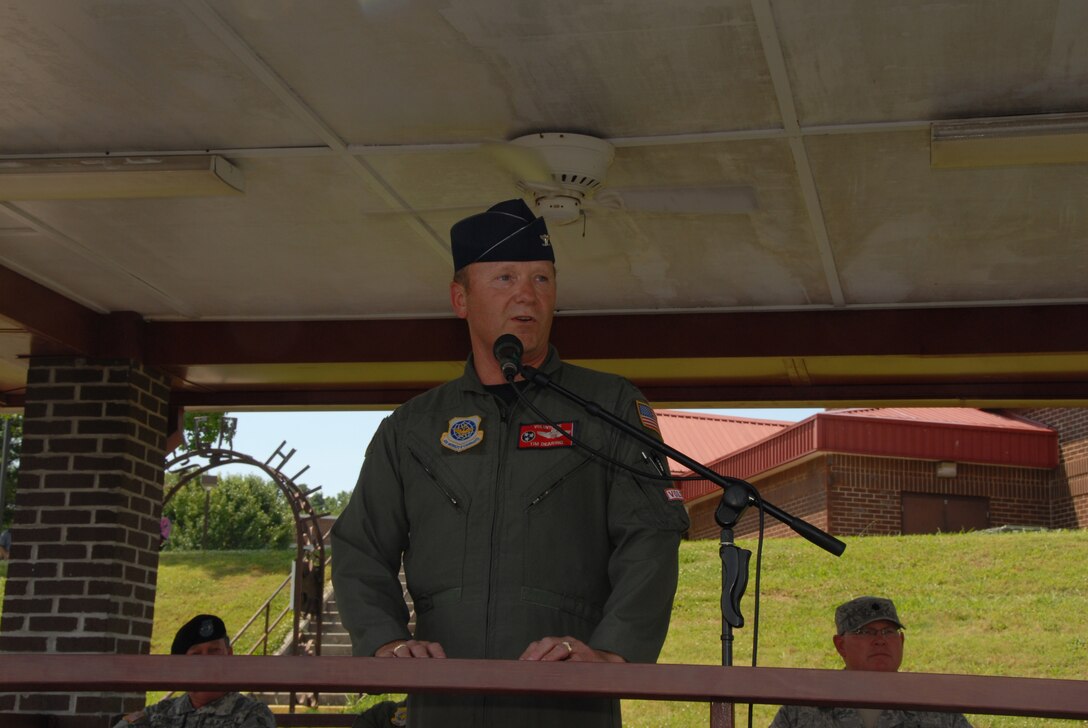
(578, 164)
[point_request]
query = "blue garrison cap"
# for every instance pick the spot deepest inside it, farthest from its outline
(506, 231)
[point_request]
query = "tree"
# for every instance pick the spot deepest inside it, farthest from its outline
(334, 506)
(208, 429)
(244, 512)
(11, 465)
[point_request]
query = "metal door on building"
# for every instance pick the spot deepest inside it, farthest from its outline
(929, 513)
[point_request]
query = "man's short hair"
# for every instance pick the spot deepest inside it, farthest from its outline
(859, 612)
(198, 630)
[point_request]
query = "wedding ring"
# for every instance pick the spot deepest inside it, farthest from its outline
(402, 644)
(569, 648)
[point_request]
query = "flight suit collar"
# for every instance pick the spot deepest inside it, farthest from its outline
(471, 381)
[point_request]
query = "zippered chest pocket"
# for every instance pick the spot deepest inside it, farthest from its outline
(438, 509)
(567, 542)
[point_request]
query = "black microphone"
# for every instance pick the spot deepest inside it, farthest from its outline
(507, 350)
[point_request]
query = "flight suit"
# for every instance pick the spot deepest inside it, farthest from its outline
(509, 533)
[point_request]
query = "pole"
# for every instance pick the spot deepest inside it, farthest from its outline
(207, 502)
(5, 441)
(207, 482)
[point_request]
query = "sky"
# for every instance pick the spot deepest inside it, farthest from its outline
(333, 443)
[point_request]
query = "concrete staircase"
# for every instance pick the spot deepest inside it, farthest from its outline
(335, 641)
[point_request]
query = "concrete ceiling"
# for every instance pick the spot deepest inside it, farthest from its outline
(362, 128)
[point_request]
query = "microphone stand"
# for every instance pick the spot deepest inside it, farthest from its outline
(737, 495)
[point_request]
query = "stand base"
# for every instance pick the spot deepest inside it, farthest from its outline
(721, 715)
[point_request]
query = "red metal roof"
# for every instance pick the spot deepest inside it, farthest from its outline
(949, 415)
(706, 437)
(925, 433)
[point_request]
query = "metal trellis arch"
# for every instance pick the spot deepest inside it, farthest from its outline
(309, 567)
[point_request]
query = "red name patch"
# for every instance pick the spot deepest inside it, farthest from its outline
(544, 435)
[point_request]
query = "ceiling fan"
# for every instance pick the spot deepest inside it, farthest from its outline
(564, 174)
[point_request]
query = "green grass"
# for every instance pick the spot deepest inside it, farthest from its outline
(1010, 604)
(230, 584)
(1013, 604)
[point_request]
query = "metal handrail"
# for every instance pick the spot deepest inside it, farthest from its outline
(266, 609)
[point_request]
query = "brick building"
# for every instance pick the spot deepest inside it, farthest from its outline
(897, 470)
(1069, 481)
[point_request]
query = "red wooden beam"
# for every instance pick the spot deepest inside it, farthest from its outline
(909, 332)
(915, 691)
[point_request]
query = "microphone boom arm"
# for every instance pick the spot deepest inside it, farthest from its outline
(800, 526)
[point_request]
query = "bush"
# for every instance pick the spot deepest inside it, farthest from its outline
(245, 512)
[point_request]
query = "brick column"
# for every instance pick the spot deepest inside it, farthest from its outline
(86, 533)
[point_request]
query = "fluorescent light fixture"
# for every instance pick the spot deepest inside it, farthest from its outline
(122, 176)
(1010, 141)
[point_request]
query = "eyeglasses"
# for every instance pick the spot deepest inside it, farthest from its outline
(883, 633)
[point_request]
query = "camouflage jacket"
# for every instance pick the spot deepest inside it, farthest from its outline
(803, 716)
(233, 710)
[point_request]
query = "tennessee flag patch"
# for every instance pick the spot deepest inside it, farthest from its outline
(647, 416)
(544, 435)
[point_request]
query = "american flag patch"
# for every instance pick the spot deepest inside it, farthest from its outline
(647, 416)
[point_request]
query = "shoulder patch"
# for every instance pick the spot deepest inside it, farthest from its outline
(462, 433)
(647, 416)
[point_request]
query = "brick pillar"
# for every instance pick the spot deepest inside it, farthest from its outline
(86, 533)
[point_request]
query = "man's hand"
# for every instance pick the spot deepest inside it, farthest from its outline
(410, 648)
(554, 649)
(131, 719)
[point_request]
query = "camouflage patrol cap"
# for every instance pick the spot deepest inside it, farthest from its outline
(198, 630)
(506, 231)
(859, 612)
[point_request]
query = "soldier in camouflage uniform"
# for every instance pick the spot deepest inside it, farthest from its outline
(204, 634)
(869, 637)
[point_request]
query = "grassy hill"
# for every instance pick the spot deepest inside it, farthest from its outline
(982, 603)
(231, 584)
(1009, 604)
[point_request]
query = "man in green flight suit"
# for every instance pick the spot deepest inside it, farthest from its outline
(517, 543)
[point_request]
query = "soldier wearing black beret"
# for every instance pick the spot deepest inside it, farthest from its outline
(204, 634)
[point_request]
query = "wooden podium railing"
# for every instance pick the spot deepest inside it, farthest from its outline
(700, 683)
